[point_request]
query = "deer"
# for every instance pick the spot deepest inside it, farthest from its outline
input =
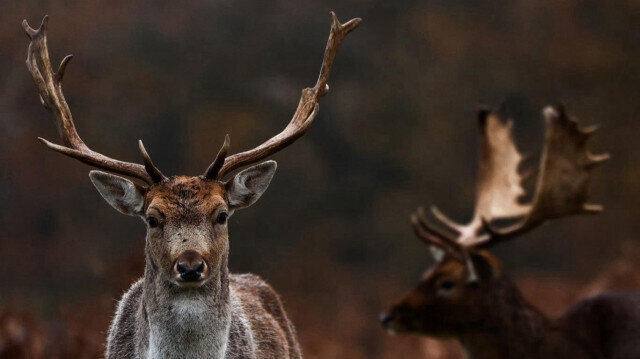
(467, 295)
(187, 304)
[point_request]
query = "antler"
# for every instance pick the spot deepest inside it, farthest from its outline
(302, 118)
(49, 86)
(561, 188)
(499, 184)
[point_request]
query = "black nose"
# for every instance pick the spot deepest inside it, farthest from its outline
(385, 319)
(190, 271)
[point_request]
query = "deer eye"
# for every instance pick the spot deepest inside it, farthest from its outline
(446, 285)
(152, 221)
(222, 218)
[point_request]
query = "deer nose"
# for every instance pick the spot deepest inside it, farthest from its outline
(190, 266)
(190, 272)
(386, 319)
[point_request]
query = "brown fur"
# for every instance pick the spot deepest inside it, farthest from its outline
(492, 320)
(265, 310)
(238, 316)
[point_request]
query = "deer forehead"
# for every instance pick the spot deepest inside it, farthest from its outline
(451, 268)
(183, 197)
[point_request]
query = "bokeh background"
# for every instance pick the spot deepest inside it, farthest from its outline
(332, 235)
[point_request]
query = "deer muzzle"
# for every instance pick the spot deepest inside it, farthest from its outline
(190, 268)
(396, 320)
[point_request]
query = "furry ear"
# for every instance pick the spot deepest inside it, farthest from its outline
(246, 187)
(120, 193)
(486, 265)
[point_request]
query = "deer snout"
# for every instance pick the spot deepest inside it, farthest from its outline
(392, 321)
(385, 319)
(190, 267)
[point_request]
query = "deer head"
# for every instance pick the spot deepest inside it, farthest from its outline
(186, 216)
(462, 287)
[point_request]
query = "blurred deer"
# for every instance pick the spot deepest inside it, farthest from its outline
(187, 305)
(468, 296)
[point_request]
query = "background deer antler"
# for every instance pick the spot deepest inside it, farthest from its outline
(49, 86)
(302, 118)
(561, 188)
(498, 187)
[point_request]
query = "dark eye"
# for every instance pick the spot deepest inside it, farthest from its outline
(446, 285)
(222, 218)
(153, 221)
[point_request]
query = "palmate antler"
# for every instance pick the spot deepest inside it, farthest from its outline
(49, 86)
(561, 187)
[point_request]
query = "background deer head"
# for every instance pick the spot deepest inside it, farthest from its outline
(467, 281)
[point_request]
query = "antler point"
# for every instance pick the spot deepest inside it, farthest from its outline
(414, 218)
(335, 23)
(28, 29)
(589, 130)
(351, 24)
(46, 142)
(154, 173)
(43, 25)
(595, 160)
(63, 67)
(592, 208)
(550, 112)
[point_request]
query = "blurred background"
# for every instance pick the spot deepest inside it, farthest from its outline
(332, 235)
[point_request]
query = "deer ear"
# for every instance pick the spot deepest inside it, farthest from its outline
(247, 186)
(120, 193)
(486, 265)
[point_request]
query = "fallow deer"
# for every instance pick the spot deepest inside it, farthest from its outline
(468, 296)
(187, 305)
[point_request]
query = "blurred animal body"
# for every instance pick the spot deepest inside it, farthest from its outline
(187, 305)
(467, 295)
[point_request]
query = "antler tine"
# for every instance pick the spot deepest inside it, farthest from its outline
(446, 221)
(337, 34)
(307, 106)
(49, 86)
(424, 235)
(151, 169)
(215, 166)
(429, 227)
(451, 244)
(435, 244)
(563, 181)
(442, 244)
(63, 67)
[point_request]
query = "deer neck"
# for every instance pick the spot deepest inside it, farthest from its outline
(513, 328)
(186, 322)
